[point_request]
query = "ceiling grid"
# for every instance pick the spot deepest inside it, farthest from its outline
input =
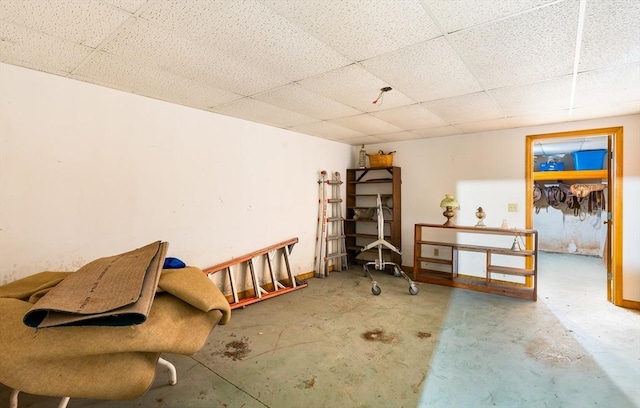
(316, 66)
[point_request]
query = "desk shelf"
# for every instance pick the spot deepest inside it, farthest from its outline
(428, 268)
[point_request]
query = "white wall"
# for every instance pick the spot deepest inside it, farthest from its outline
(488, 169)
(87, 171)
(564, 232)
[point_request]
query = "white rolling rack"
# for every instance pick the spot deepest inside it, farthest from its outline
(380, 264)
(331, 252)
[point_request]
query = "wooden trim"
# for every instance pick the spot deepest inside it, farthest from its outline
(616, 238)
(630, 304)
(614, 176)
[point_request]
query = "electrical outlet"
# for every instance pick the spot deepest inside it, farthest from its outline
(512, 207)
(436, 251)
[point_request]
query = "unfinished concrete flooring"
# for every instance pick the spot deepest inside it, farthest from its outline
(334, 344)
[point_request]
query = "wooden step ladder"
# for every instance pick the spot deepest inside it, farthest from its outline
(260, 292)
(331, 250)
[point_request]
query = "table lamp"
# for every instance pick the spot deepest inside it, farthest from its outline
(449, 204)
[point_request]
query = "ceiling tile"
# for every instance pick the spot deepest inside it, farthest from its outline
(354, 86)
(120, 73)
(427, 71)
(611, 34)
(327, 130)
(250, 31)
(607, 86)
(410, 117)
(483, 125)
(366, 124)
(537, 97)
(538, 118)
(455, 15)
(296, 98)
(149, 45)
(21, 46)
(606, 110)
(360, 29)
(527, 48)
(436, 132)
(467, 108)
(130, 6)
(258, 111)
(86, 22)
(362, 140)
(397, 136)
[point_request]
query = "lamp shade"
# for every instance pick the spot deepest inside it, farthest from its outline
(449, 201)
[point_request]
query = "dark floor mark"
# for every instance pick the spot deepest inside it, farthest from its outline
(379, 335)
(423, 335)
(237, 349)
(307, 383)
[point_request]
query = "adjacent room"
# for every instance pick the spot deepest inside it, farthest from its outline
(292, 203)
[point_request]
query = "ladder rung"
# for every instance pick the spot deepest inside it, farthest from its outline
(336, 255)
(334, 219)
(332, 237)
(334, 200)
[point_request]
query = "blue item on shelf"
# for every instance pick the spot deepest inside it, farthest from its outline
(552, 166)
(589, 159)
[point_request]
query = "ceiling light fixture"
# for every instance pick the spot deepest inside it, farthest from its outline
(576, 62)
(381, 95)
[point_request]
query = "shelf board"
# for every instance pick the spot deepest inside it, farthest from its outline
(482, 230)
(570, 175)
(369, 236)
(442, 261)
(510, 271)
(371, 181)
(479, 285)
(386, 221)
(371, 195)
(433, 276)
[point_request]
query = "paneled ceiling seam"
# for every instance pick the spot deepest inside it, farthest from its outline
(143, 8)
(460, 55)
(506, 17)
(130, 20)
(353, 62)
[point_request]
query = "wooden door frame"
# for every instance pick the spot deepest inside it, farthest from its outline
(614, 202)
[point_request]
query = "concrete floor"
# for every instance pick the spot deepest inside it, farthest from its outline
(334, 344)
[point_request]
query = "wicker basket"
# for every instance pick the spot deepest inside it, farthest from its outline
(380, 159)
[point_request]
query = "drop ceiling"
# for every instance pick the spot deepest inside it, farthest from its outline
(316, 66)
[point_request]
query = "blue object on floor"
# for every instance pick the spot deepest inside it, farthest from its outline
(173, 263)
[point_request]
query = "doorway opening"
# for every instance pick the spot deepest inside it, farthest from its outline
(555, 170)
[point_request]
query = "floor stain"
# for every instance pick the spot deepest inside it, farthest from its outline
(237, 349)
(307, 383)
(379, 335)
(423, 335)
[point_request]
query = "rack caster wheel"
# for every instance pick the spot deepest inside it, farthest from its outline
(375, 289)
(413, 289)
(396, 271)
